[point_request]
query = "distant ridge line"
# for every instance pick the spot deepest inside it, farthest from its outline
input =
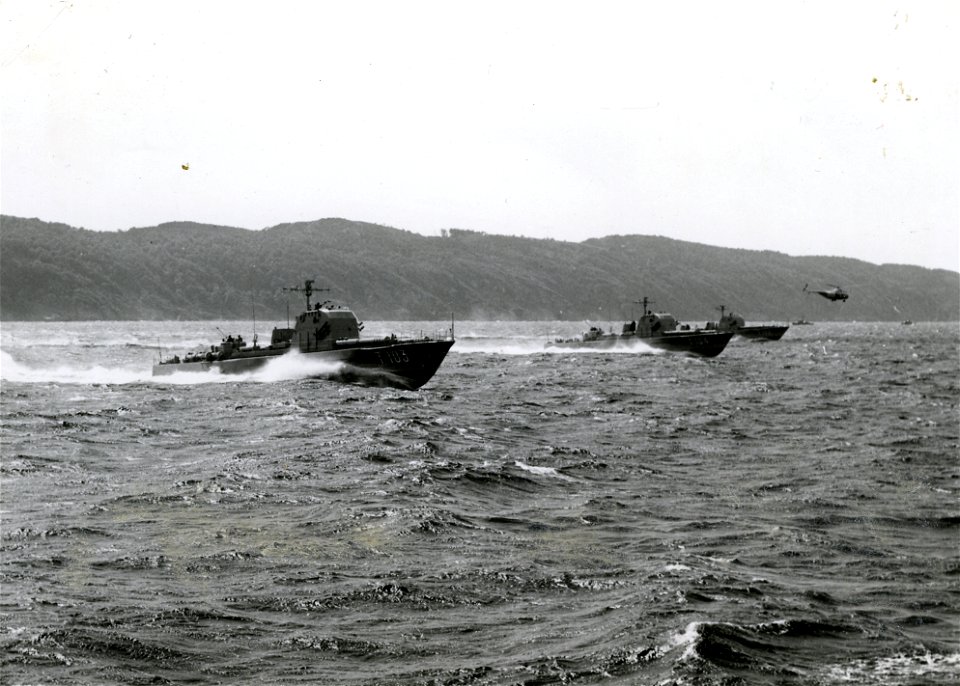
(189, 270)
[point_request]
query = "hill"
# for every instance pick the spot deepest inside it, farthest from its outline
(185, 270)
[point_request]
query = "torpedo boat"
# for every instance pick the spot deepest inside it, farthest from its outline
(327, 332)
(654, 329)
(736, 324)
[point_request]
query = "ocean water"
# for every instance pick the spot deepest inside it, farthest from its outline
(786, 513)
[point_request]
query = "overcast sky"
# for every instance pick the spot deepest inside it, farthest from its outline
(810, 128)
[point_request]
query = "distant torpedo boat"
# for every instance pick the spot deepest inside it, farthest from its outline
(656, 329)
(331, 333)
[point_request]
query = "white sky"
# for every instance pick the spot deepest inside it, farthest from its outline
(819, 127)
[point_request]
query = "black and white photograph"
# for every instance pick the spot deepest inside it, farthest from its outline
(479, 344)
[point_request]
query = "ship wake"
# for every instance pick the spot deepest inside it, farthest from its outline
(13, 370)
(537, 346)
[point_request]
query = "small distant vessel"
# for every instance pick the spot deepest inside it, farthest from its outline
(735, 323)
(907, 322)
(327, 332)
(802, 322)
(656, 329)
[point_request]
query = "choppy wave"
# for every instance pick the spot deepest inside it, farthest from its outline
(782, 514)
(919, 668)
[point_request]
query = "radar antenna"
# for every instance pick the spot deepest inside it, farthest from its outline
(307, 289)
(646, 301)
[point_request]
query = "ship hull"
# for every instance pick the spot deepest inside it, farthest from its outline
(404, 364)
(697, 343)
(762, 333)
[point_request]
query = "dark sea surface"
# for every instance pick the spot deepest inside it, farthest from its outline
(786, 513)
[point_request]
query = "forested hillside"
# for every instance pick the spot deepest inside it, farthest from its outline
(193, 271)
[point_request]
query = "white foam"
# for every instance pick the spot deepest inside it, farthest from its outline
(538, 346)
(498, 346)
(293, 365)
(543, 471)
(290, 366)
(634, 347)
(896, 670)
(11, 370)
(686, 640)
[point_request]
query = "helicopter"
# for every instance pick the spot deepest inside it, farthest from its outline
(833, 293)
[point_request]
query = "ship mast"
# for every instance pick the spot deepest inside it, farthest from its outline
(307, 289)
(644, 302)
(253, 306)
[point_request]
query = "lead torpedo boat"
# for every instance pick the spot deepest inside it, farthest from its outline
(656, 329)
(330, 333)
(735, 323)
